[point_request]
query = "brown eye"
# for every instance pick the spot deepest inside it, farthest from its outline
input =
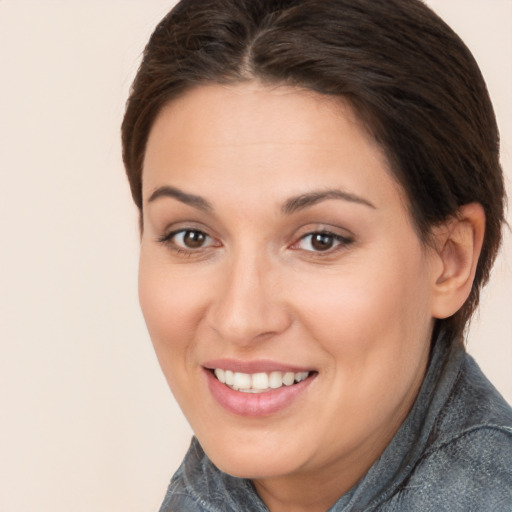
(322, 241)
(194, 239)
(191, 239)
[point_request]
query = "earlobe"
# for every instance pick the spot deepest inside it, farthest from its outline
(458, 242)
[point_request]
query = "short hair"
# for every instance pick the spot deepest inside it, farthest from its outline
(410, 79)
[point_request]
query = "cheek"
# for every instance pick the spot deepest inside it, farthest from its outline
(171, 305)
(373, 325)
(376, 305)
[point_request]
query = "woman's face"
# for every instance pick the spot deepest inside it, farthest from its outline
(278, 248)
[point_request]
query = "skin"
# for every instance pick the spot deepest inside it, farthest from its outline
(360, 313)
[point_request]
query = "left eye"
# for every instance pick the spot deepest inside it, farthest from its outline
(321, 241)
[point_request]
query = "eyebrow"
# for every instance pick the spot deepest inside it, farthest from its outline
(303, 201)
(290, 206)
(190, 199)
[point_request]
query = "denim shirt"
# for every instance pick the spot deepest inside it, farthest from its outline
(452, 453)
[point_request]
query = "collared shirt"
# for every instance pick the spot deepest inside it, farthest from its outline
(452, 453)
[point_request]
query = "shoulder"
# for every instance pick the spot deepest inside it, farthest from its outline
(176, 501)
(181, 493)
(199, 486)
(473, 471)
(467, 462)
(473, 409)
(192, 476)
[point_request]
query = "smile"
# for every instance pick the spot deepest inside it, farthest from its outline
(257, 388)
(258, 382)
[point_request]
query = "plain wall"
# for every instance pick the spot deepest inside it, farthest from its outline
(86, 420)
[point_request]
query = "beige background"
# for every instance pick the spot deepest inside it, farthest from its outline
(86, 420)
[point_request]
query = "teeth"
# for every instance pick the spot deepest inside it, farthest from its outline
(258, 382)
(242, 380)
(275, 380)
(288, 378)
(301, 376)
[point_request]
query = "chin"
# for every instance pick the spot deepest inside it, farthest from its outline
(252, 461)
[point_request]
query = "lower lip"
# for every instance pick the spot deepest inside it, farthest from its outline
(256, 404)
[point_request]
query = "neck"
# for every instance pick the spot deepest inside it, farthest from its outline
(322, 485)
(316, 491)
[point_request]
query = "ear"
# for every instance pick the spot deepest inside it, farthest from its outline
(458, 244)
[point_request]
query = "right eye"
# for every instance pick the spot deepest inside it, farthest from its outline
(191, 239)
(187, 240)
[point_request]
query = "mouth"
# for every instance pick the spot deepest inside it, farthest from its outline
(258, 387)
(261, 382)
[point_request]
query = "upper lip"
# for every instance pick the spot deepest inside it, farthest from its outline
(254, 366)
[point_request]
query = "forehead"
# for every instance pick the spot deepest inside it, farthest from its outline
(252, 135)
(252, 113)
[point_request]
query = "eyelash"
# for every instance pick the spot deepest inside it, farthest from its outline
(339, 242)
(169, 241)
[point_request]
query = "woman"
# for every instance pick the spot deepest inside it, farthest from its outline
(321, 201)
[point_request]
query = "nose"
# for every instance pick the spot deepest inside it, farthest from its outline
(249, 305)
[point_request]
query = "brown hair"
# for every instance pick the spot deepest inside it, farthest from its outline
(409, 77)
